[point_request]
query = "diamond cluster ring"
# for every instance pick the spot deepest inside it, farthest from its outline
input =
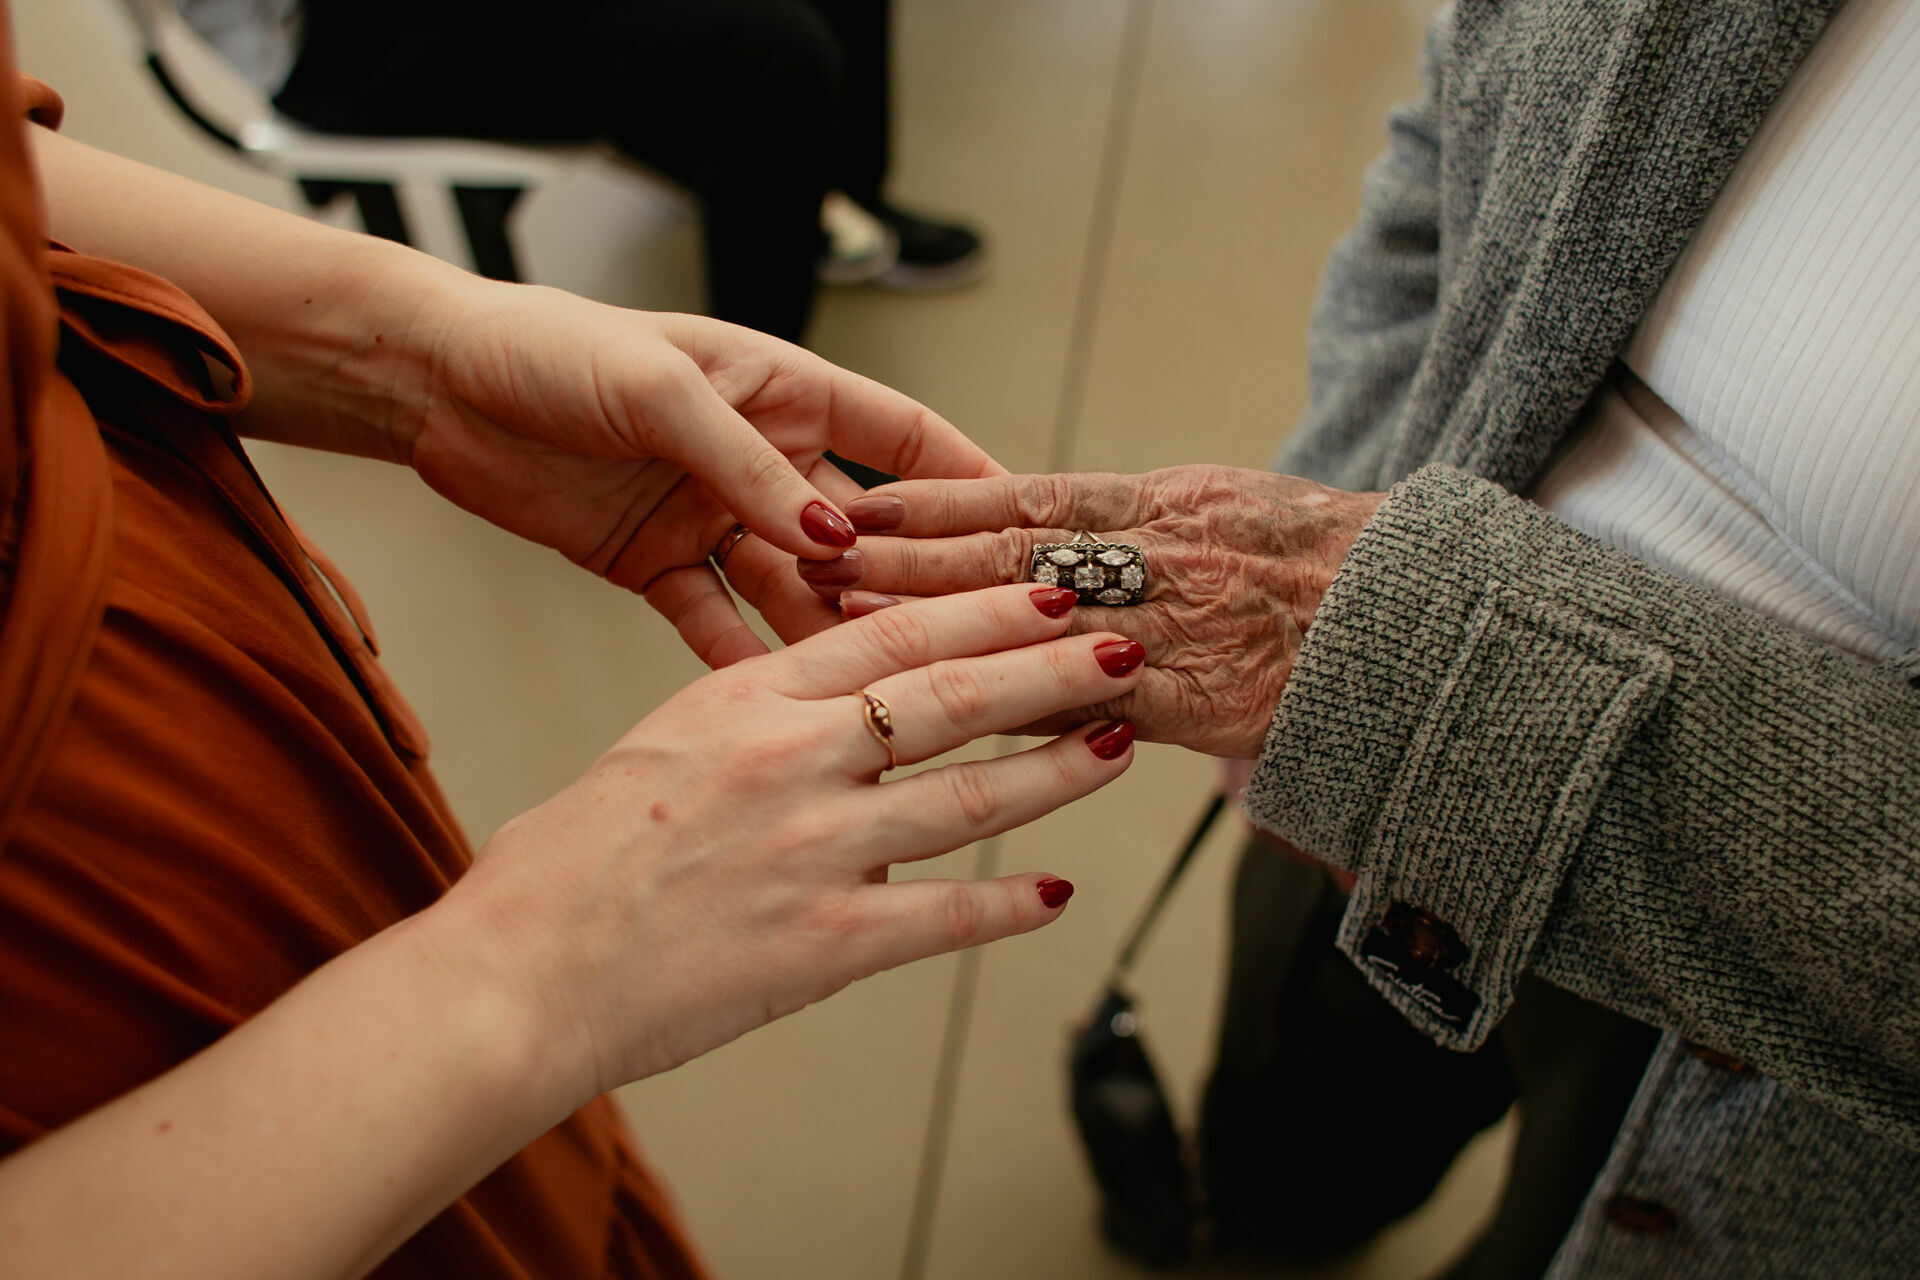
(1112, 573)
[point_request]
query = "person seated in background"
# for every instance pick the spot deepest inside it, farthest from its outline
(1589, 655)
(760, 107)
(262, 1011)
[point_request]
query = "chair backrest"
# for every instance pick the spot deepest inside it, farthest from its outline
(159, 30)
(149, 19)
(175, 54)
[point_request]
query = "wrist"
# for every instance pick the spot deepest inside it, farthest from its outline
(524, 1047)
(1344, 517)
(1357, 512)
(349, 367)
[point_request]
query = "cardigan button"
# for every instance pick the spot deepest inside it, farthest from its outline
(1413, 950)
(1643, 1217)
(1426, 938)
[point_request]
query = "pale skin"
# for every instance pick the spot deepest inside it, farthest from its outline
(656, 908)
(628, 441)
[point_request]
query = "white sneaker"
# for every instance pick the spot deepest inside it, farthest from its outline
(860, 247)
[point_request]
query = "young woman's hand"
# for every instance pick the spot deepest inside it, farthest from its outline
(630, 441)
(726, 862)
(633, 442)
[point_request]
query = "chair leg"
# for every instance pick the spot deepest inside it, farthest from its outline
(379, 205)
(380, 210)
(319, 193)
(483, 212)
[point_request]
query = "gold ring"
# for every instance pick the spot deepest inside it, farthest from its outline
(724, 548)
(879, 718)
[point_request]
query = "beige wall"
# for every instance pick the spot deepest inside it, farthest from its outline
(914, 1126)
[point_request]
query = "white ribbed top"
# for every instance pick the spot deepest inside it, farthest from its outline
(1764, 437)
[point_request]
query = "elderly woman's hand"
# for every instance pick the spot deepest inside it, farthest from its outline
(1237, 562)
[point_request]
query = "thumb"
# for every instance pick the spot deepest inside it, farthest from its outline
(754, 480)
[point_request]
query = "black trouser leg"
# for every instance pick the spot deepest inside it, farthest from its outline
(735, 98)
(864, 134)
(1577, 1066)
(1328, 1116)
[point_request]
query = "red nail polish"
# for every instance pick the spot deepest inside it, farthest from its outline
(1053, 890)
(835, 575)
(1112, 741)
(1055, 602)
(1117, 657)
(858, 604)
(877, 515)
(826, 526)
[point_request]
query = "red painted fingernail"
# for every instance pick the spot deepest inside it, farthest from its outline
(1117, 657)
(826, 526)
(1112, 741)
(858, 604)
(877, 515)
(834, 576)
(1054, 891)
(1055, 602)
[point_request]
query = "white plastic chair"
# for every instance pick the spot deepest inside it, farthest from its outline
(482, 180)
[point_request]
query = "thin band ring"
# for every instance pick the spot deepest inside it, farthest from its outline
(879, 718)
(724, 548)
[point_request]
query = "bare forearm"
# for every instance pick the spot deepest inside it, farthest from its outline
(311, 1141)
(337, 327)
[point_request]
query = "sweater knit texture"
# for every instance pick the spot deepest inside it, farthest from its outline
(1586, 766)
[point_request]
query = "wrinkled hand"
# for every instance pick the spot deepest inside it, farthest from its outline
(726, 862)
(1237, 564)
(632, 441)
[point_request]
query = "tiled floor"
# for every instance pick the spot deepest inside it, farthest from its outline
(1162, 179)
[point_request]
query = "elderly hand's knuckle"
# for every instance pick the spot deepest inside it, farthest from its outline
(975, 795)
(1042, 501)
(1010, 557)
(962, 693)
(911, 561)
(1193, 702)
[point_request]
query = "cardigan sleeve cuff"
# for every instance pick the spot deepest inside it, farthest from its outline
(1444, 735)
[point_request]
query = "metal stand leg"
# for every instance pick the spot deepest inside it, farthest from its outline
(379, 206)
(484, 212)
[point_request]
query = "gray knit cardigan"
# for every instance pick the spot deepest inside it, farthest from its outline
(1581, 765)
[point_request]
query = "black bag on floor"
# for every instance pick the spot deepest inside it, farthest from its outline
(1149, 1206)
(1318, 1087)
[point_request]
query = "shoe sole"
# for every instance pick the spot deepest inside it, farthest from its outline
(850, 271)
(910, 277)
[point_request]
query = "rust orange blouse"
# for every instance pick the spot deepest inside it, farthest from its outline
(208, 787)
